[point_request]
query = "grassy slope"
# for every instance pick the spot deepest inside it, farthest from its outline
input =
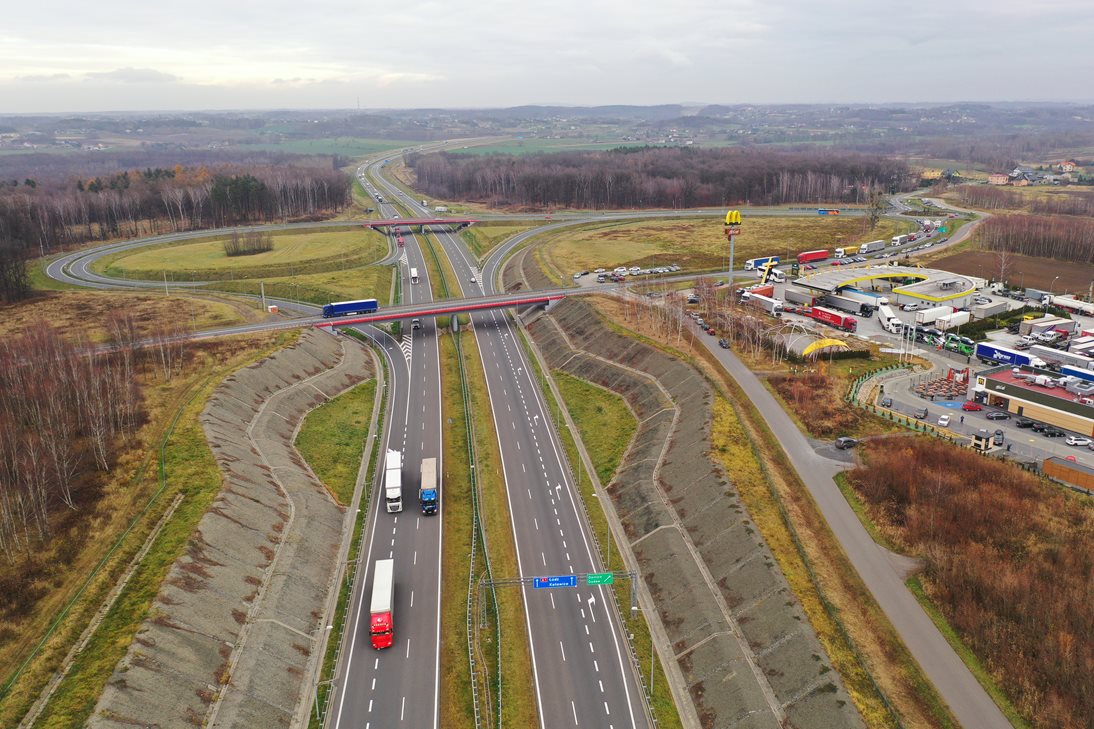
(320, 288)
(483, 238)
(332, 439)
(190, 469)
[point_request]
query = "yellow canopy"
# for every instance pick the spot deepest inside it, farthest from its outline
(823, 344)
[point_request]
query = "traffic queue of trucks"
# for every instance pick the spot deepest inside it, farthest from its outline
(810, 256)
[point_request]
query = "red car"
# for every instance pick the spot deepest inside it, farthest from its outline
(971, 406)
(710, 331)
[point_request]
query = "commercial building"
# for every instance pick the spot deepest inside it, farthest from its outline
(1027, 392)
(900, 284)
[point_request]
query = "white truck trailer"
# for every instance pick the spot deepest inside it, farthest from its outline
(393, 482)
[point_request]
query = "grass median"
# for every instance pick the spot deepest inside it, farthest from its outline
(332, 439)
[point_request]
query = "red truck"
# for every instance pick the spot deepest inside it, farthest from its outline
(832, 318)
(381, 623)
(809, 256)
(400, 241)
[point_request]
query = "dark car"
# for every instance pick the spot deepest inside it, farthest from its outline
(1013, 328)
(920, 413)
(997, 438)
(1024, 423)
(1053, 433)
(886, 402)
(1038, 427)
(723, 343)
(998, 415)
(844, 442)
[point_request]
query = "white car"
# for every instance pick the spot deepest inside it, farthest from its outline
(621, 269)
(1077, 440)
(944, 421)
(599, 270)
(473, 279)
(634, 269)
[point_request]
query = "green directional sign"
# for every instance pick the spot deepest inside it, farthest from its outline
(599, 578)
(941, 230)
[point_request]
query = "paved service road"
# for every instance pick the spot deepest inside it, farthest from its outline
(967, 699)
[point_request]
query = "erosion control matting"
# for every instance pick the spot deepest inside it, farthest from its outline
(746, 649)
(229, 639)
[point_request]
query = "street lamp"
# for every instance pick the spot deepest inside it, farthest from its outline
(1053, 284)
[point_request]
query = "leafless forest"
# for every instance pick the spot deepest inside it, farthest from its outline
(658, 178)
(1063, 237)
(65, 410)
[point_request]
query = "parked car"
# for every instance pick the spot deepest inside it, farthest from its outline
(1053, 433)
(844, 442)
(1077, 440)
(998, 415)
(915, 306)
(971, 407)
(944, 421)
(997, 438)
(1037, 427)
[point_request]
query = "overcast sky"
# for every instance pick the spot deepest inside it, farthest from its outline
(241, 54)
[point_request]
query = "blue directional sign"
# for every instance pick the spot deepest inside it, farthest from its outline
(554, 581)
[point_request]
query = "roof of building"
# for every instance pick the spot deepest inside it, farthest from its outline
(1005, 374)
(926, 286)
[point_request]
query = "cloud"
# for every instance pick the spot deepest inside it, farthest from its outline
(131, 75)
(37, 78)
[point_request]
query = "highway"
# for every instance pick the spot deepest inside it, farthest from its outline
(582, 669)
(400, 685)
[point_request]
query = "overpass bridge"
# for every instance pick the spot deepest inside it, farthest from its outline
(447, 306)
(394, 223)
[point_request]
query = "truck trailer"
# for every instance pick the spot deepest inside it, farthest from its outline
(1074, 359)
(846, 251)
(983, 311)
(342, 308)
(754, 264)
(872, 247)
(1071, 303)
(991, 353)
(928, 316)
(772, 306)
(798, 296)
(899, 240)
(851, 306)
(833, 318)
(953, 320)
(429, 489)
(382, 608)
(810, 256)
(866, 297)
(393, 481)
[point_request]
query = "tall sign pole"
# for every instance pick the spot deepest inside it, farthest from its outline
(732, 229)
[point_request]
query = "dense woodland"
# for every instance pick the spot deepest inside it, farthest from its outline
(1009, 558)
(658, 178)
(987, 197)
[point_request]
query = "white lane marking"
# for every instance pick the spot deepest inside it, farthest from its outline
(606, 709)
(574, 707)
(552, 596)
(376, 664)
(370, 706)
(543, 558)
(601, 685)
(402, 709)
(592, 601)
(412, 598)
(408, 647)
(563, 651)
(373, 684)
(591, 648)
(586, 629)
(536, 522)
(596, 666)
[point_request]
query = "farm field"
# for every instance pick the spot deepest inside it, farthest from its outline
(356, 147)
(1025, 271)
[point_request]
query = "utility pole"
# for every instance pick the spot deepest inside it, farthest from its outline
(262, 287)
(165, 291)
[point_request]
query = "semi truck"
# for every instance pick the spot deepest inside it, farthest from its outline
(753, 264)
(866, 297)
(989, 352)
(393, 481)
(772, 306)
(342, 308)
(952, 320)
(761, 289)
(810, 256)
(1081, 373)
(929, 316)
(846, 251)
(833, 318)
(429, 490)
(798, 296)
(899, 240)
(852, 306)
(889, 320)
(1070, 302)
(983, 311)
(1073, 359)
(872, 247)
(382, 608)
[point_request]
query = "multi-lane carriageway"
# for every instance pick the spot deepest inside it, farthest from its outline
(582, 670)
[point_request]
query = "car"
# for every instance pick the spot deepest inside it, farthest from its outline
(723, 343)
(634, 269)
(916, 306)
(674, 268)
(621, 269)
(997, 438)
(710, 331)
(809, 267)
(1022, 345)
(844, 442)
(719, 283)
(997, 415)
(981, 300)
(1078, 440)
(886, 402)
(1038, 427)
(599, 270)
(944, 421)
(415, 323)
(1053, 433)
(971, 407)
(920, 413)
(1023, 423)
